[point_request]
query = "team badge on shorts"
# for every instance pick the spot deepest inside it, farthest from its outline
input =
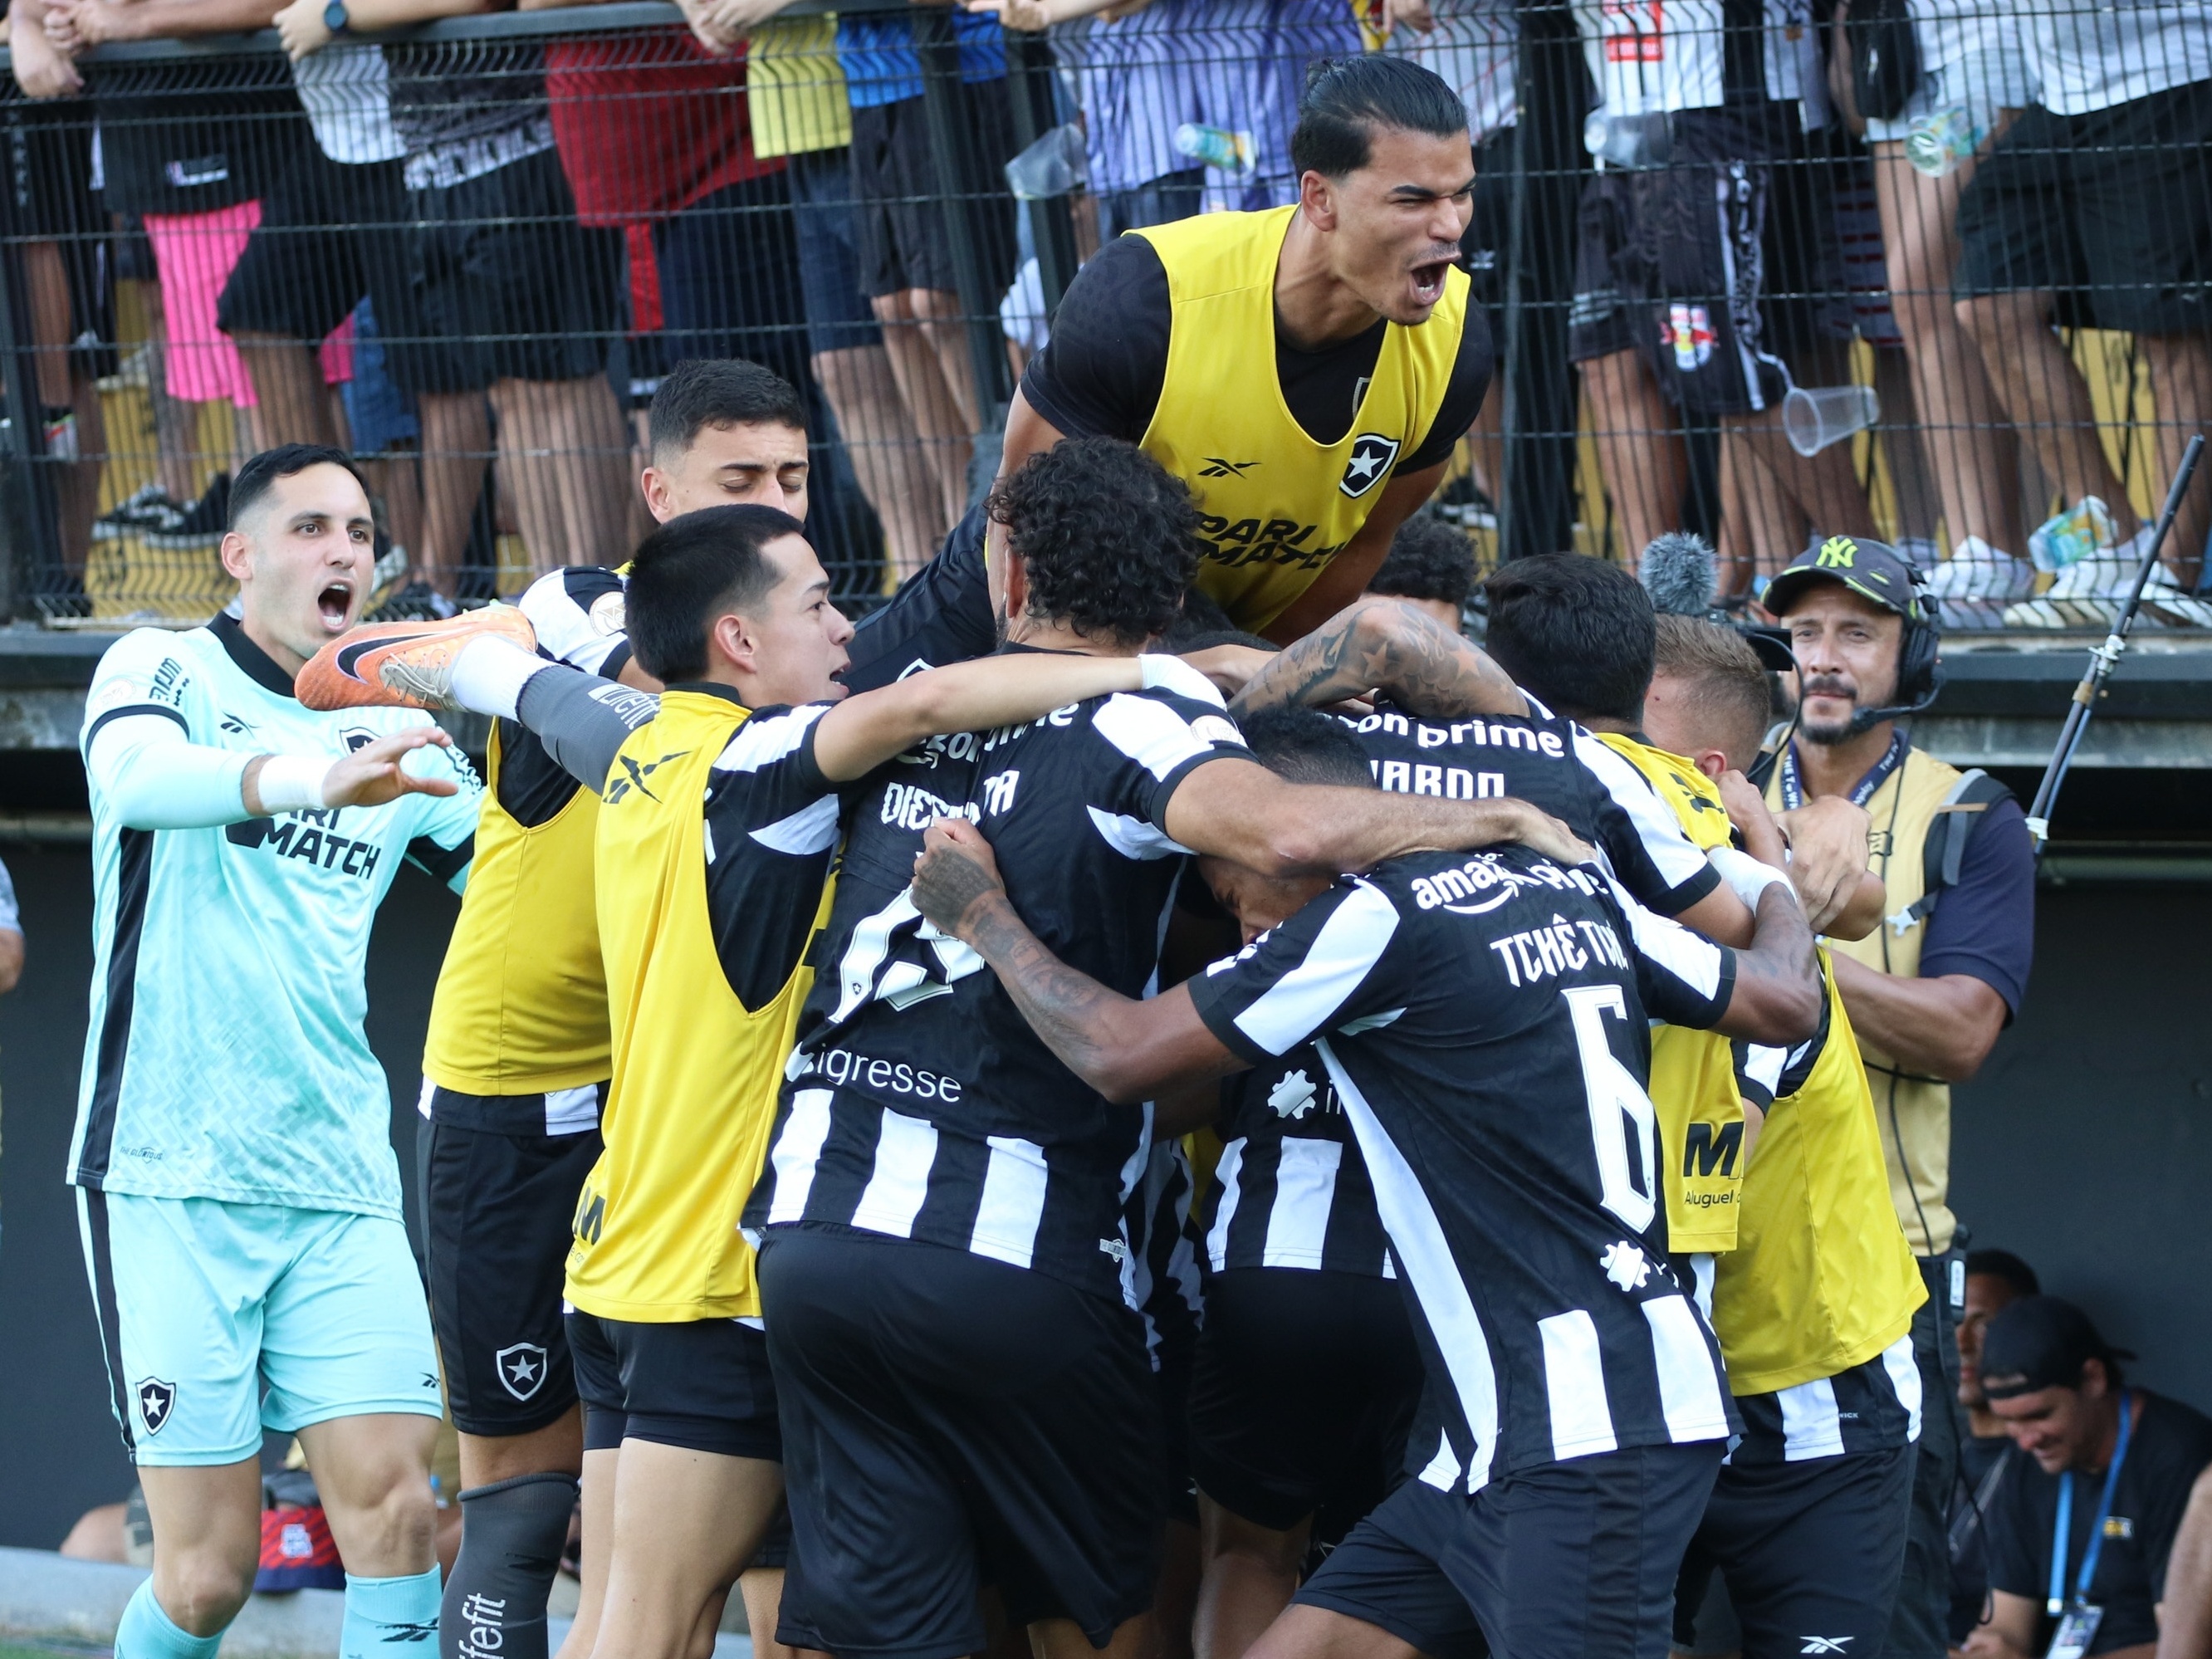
(157, 1399)
(1371, 455)
(521, 1369)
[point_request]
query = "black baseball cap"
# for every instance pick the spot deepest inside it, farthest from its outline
(1873, 570)
(2040, 1342)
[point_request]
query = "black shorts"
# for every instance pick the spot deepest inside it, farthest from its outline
(331, 234)
(703, 1384)
(1573, 1560)
(1304, 1387)
(1811, 1551)
(1716, 268)
(506, 282)
(729, 277)
(952, 1421)
(940, 615)
(2111, 211)
(497, 1213)
(49, 198)
(898, 199)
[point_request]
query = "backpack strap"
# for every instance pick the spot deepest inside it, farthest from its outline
(1943, 852)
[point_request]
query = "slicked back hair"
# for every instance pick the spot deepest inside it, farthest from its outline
(1107, 537)
(1723, 680)
(694, 568)
(258, 476)
(704, 392)
(1577, 631)
(1346, 99)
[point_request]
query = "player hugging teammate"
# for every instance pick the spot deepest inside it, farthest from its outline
(989, 1131)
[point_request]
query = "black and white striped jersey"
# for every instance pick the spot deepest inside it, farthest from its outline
(1557, 765)
(1163, 1277)
(919, 1102)
(1871, 1406)
(1291, 1189)
(1483, 1017)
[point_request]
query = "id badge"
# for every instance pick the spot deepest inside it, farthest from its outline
(2077, 1628)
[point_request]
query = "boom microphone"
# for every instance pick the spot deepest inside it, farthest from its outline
(1680, 572)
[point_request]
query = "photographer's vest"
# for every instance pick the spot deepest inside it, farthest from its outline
(521, 1004)
(1274, 506)
(693, 1095)
(1913, 1110)
(1693, 1083)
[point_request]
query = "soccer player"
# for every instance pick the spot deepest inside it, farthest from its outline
(948, 1287)
(1166, 338)
(237, 1189)
(517, 1056)
(1481, 1018)
(1813, 1306)
(717, 820)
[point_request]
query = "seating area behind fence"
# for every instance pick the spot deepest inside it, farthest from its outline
(1750, 269)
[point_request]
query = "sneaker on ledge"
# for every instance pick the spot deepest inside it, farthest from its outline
(183, 529)
(147, 506)
(1975, 570)
(403, 665)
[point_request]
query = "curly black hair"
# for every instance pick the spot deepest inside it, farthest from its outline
(1109, 538)
(1428, 559)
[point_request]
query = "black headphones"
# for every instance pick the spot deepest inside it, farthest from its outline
(1919, 659)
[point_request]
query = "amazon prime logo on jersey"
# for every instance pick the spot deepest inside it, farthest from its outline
(1371, 455)
(156, 1399)
(521, 1369)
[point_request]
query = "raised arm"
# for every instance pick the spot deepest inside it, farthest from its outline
(1127, 1050)
(1241, 811)
(863, 732)
(1377, 643)
(1777, 996)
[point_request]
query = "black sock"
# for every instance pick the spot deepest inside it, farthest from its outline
(511, 1539)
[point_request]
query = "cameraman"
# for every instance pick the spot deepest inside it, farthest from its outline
(1929, 991)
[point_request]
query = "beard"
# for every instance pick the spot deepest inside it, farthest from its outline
(1827, 733)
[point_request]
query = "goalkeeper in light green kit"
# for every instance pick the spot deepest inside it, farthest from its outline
(237, 1190)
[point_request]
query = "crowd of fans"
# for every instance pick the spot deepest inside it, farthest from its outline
(1773, 232)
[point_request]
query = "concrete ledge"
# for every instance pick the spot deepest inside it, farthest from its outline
(45, 1597)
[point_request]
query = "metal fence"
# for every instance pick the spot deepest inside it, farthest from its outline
(1751, 268)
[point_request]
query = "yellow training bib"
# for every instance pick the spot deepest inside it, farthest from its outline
(693, 1094)
(1275, 506)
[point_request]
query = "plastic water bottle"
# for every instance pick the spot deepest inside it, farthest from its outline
(1218, 146)
(1627, 141)
(1944, 142)
(2072, 536)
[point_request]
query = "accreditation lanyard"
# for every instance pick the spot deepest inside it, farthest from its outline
(2057, 1603)
(1793, 789)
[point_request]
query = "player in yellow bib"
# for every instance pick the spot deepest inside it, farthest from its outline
(1813, 1305)
(1305, 373)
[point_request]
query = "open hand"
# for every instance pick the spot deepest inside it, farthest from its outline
(954, 869)
(1537, 829)
(373, 775)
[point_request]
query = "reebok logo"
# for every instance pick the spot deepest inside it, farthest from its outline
(1833, 1644)
(1216, 467)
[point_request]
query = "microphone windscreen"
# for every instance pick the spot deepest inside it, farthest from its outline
(1678, 570)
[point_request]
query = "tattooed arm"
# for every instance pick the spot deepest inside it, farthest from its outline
(1379, 644)
(1126, 1049)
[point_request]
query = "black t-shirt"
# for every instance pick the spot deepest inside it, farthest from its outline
(1483, 1018)
(1100, 374)
(1985, 925)
(1975, 1495)
(2170, 1446)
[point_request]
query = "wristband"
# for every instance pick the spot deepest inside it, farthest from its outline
(1159, 671)
(291, 783)
(1748, 877)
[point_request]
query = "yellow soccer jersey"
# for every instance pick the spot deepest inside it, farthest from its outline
(712, 871)
(1275, 507)
(521, 1004)
(1821, 1278)
(1693, 1072)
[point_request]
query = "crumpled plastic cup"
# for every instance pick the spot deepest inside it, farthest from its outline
(1815, 417)
(1053, 166)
